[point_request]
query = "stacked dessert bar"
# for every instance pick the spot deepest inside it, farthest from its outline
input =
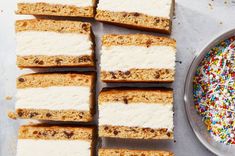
(136, 114)
(50, 43)
(137, 58)
(73, 8)
(62, 97)
(55, 141)
(58, 96)
(153, 15)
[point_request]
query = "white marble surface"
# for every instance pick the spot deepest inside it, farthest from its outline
(196, 23)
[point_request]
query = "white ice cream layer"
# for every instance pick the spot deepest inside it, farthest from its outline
(52, 43)
(123, 58)
(54, 98)
(78, 3)
(136, 115)
(28, 147)
(156, 8)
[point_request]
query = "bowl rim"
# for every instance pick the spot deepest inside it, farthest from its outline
(191, 72)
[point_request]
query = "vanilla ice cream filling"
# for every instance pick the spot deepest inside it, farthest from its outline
(54, 98)
(52, 43)
(29, 147)
(141, 115)
(156, 8)
(77, 3)
(123, 58)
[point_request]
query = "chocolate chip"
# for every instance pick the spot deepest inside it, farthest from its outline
(125, 100)
(113, 75)
(148, 43)
(136, 14)
(85, 27)
(48, 115)
(127, 73)
(35, 132)
(53, 133)
(106, 128)
(84, 59)
(21, 79)
(167, 71)
(152, 131)
(115, 132)
(58, 61)
(145, 129)
(40, 62)
(168, 134)
(132, 129)
(33, 114)
(142, 154)
(157, 75)
(37, 61)
(88, 58)
(124, 15)
(20, 113)
(68, 134)
(157, 20)
(44, 133)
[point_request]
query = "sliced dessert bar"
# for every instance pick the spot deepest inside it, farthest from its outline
(136, 113)
(56, 96)
(50, 43)
(137, 58)
(76, 8)
(154, 15)
(127, 152)
(41, 140)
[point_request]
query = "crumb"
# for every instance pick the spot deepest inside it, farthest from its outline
(180, 62)
(178, 23)
(174, 17)
(174, 141)
(220, 22)
(12, 115)
(8, 98)
(210, 6)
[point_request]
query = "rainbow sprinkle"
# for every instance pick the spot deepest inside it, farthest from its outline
(214, 91)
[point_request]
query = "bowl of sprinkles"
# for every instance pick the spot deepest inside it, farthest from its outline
(210, 95)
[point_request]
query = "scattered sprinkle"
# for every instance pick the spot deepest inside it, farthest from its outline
(214, 91)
